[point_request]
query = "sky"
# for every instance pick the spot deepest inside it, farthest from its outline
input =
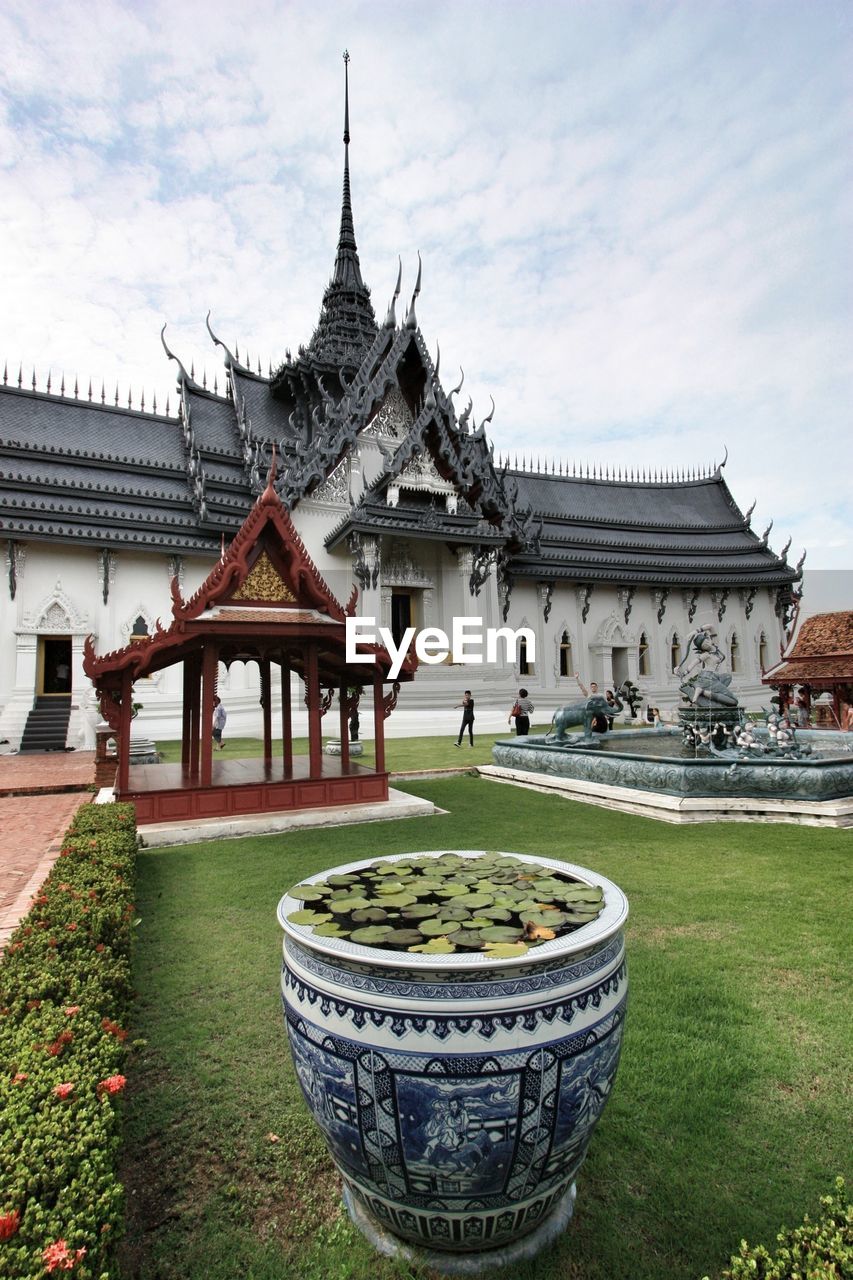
(634, 217)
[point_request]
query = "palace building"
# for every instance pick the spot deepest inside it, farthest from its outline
(392, 487)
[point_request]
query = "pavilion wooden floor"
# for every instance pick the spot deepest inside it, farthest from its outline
(229, 772)
(168, 792)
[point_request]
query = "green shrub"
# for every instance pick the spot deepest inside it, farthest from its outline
(64, 998)
(820, 1250)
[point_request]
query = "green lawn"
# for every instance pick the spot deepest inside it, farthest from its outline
(729, 1117)
(402, 755)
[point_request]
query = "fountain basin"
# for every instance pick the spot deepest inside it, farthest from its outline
(646, 771)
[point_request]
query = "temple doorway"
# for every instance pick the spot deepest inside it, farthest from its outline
(54, 666)
(402, 611)
(620, 666)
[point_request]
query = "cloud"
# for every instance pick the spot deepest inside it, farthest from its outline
(633, 218)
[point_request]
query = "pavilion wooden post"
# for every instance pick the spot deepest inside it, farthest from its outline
(188, 669)
(208, 690)
(124, 732)
(342, 695)
(315, 728)
(286, 718)
(266, 705)
(378, 723)
(193, 675)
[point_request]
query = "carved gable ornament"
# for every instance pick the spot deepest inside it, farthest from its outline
(263, 582)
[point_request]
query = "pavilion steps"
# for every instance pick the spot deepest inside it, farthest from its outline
(47, 725)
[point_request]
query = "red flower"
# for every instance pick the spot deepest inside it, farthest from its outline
(114, 1029)
(100, 947)
(64, 1038)
(33, 1004)
(113, 1084)
(19, 1077)
(63, 1090)
(72, 926)
(9, 1223)
(59, 1256)
(71, 1009)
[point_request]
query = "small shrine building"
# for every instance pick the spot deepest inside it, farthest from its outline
(821, 660)
(265, 602)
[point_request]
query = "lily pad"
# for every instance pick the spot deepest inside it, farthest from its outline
(435, 947)
(340, 880)
(420, 911)
(500, 933)
(371, 933)
(369, 915)
(344, 906)
(330, 930)
(306, 893)
(399, 899)
(402, 937)
(309, 917)
(435, 928)
(505, 950)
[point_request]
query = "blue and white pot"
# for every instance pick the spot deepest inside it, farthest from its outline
(458, 1095)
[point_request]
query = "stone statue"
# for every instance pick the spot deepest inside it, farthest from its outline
(708, 689)
(700, 649)
(579, 712)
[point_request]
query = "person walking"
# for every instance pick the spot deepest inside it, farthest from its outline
(521, 713)
(467, 705)
(220, 715)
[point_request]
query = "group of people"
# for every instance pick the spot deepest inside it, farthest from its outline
(521, 712)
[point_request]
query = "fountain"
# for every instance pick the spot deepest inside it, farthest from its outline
(716, 764)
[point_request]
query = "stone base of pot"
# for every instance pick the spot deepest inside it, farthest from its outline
(460, 1264)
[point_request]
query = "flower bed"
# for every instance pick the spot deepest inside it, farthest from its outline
(64, 997)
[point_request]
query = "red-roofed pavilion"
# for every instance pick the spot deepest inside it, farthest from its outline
(264, 602)
(821, 659)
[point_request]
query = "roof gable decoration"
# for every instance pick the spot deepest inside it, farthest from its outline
(266, 563)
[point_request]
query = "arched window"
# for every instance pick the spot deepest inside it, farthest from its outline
(644, 666)
(734, 652)
(567, 666)
(674, 650)
(762, 651)
(140, 629)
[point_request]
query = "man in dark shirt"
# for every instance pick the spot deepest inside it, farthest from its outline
(467, 705)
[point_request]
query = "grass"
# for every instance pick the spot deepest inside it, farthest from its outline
(729, 1117)
(402, 755)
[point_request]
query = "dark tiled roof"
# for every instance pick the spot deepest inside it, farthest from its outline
(79, 472)
(689, 504)
(268, 418)
(43, 423)
(676, 532)
(213, 422)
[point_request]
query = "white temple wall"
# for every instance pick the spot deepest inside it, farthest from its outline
(60, 589)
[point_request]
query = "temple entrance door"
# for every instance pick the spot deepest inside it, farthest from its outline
(620, 666)
(401, 613)
(53, 675)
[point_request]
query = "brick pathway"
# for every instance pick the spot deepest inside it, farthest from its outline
(39, 794)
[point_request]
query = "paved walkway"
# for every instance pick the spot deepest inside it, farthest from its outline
(39, 795)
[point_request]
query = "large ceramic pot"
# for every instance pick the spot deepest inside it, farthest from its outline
(458, 1094)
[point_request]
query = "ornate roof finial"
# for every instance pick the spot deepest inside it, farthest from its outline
(411, 318)
(391, 316)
